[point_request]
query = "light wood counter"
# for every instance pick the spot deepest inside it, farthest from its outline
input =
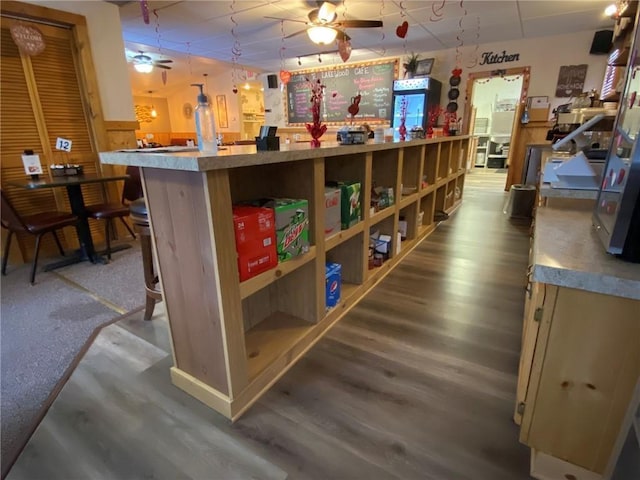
(232, 340)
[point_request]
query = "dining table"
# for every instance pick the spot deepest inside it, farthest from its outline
(73, 185)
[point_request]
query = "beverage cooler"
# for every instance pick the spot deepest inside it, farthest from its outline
(421, 94)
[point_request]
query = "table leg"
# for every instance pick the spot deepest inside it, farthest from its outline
(76, 201)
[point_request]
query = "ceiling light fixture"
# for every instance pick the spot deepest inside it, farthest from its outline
(327, 12)
(143, 67)
(322, 35)
(154, 114)
(616, 9)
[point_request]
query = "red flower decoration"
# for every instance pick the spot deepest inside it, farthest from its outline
(456, 72)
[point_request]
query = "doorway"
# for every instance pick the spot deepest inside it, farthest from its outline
(492, 112)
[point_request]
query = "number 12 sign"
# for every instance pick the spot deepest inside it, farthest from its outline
(63, 144)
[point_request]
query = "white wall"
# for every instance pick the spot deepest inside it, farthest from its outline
(107, 49)
(544, 55)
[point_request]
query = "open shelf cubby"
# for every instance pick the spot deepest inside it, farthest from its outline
(425, 214)
(277, 316)
(351, 255)
(430, 164)
(409, 214)
(450, 195)
(411, 164)
(441, 194)
(443, 160)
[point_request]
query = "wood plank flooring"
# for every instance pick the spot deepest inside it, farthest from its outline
(417, 381)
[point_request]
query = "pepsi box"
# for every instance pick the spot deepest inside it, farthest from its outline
(333, 282)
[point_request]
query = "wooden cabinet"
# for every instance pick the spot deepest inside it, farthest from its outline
(232, 340)
(579, 366)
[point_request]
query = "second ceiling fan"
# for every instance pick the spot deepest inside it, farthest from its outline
(323, 27)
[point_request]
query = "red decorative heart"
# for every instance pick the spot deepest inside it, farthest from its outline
(235, 90)
(344, 48)
(402, 30)
(285, 76)
(333, 95)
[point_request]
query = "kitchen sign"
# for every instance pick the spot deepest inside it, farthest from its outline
(490, 58)
(571, 80)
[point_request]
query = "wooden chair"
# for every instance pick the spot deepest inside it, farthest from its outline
(131, 191)
(37, 225)
(140, 218)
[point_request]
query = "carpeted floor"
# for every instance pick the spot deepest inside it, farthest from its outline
(45, 326)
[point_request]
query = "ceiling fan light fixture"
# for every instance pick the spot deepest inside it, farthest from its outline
(327, 12)
(322, 35)
(143, 67)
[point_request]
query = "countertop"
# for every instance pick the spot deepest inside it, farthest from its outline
(546, 190)
(568, 253)
(184, 158)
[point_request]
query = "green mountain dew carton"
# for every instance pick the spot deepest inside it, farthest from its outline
(292, 226)
(350, 203)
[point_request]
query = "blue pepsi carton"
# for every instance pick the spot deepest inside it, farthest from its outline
(333, 282)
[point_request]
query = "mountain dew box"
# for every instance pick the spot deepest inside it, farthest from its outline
(255, 234)
(333, 281)
(292, 226)
(350, 204)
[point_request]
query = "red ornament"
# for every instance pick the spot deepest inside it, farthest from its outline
(354, 108)
(285, 76)
(401, 30)
(344, 48)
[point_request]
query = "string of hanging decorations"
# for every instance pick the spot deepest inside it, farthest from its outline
(474, 60)
(163, 74)
(382, 35)
(236, 50)
(436, 11)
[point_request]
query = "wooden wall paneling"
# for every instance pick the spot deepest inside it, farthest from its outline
(181, 223)
(580, 405)
(444, 160)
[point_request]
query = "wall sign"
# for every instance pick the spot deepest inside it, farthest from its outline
(490, 58)
(571, 80)
(372, 80)
(28, 39)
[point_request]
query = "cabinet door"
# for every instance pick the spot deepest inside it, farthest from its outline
(585, 368)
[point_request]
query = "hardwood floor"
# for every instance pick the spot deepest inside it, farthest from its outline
(417, 381)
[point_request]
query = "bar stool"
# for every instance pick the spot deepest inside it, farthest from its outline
(140, 217)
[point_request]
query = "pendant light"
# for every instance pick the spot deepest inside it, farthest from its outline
(154, 114)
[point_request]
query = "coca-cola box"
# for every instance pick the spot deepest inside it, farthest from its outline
(332, 211)
(255, 233)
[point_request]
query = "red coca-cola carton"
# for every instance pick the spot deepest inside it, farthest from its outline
(255, 232)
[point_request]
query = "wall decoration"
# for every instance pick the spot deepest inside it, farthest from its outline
(221, 104)
(187, 110)
(490, 58)
(424, 67)
(143, 113)
(571, 80)
(28, 39)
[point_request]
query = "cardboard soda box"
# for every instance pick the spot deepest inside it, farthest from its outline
(350, 204)
(333, 283)
(255, 234)
(292, 226)
(332, 198)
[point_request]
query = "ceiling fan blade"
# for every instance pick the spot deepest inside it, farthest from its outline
(163, 61)
(296, 34)
(162, 66)
(342, 36)
(286, 19)
(359, 23)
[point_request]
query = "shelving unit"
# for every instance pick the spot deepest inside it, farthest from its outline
(232, 340)
(481, 150)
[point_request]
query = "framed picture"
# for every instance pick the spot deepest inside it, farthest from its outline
(221, 104)
(424, 67)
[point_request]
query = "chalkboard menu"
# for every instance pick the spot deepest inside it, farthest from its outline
(373, 81)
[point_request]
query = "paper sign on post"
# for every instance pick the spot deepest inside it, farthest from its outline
(32, 164)
(63, 144)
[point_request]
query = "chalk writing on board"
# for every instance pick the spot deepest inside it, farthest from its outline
(571, 80)
(373, 81)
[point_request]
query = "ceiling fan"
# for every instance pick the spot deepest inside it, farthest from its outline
(323, 26)
(143, 63)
